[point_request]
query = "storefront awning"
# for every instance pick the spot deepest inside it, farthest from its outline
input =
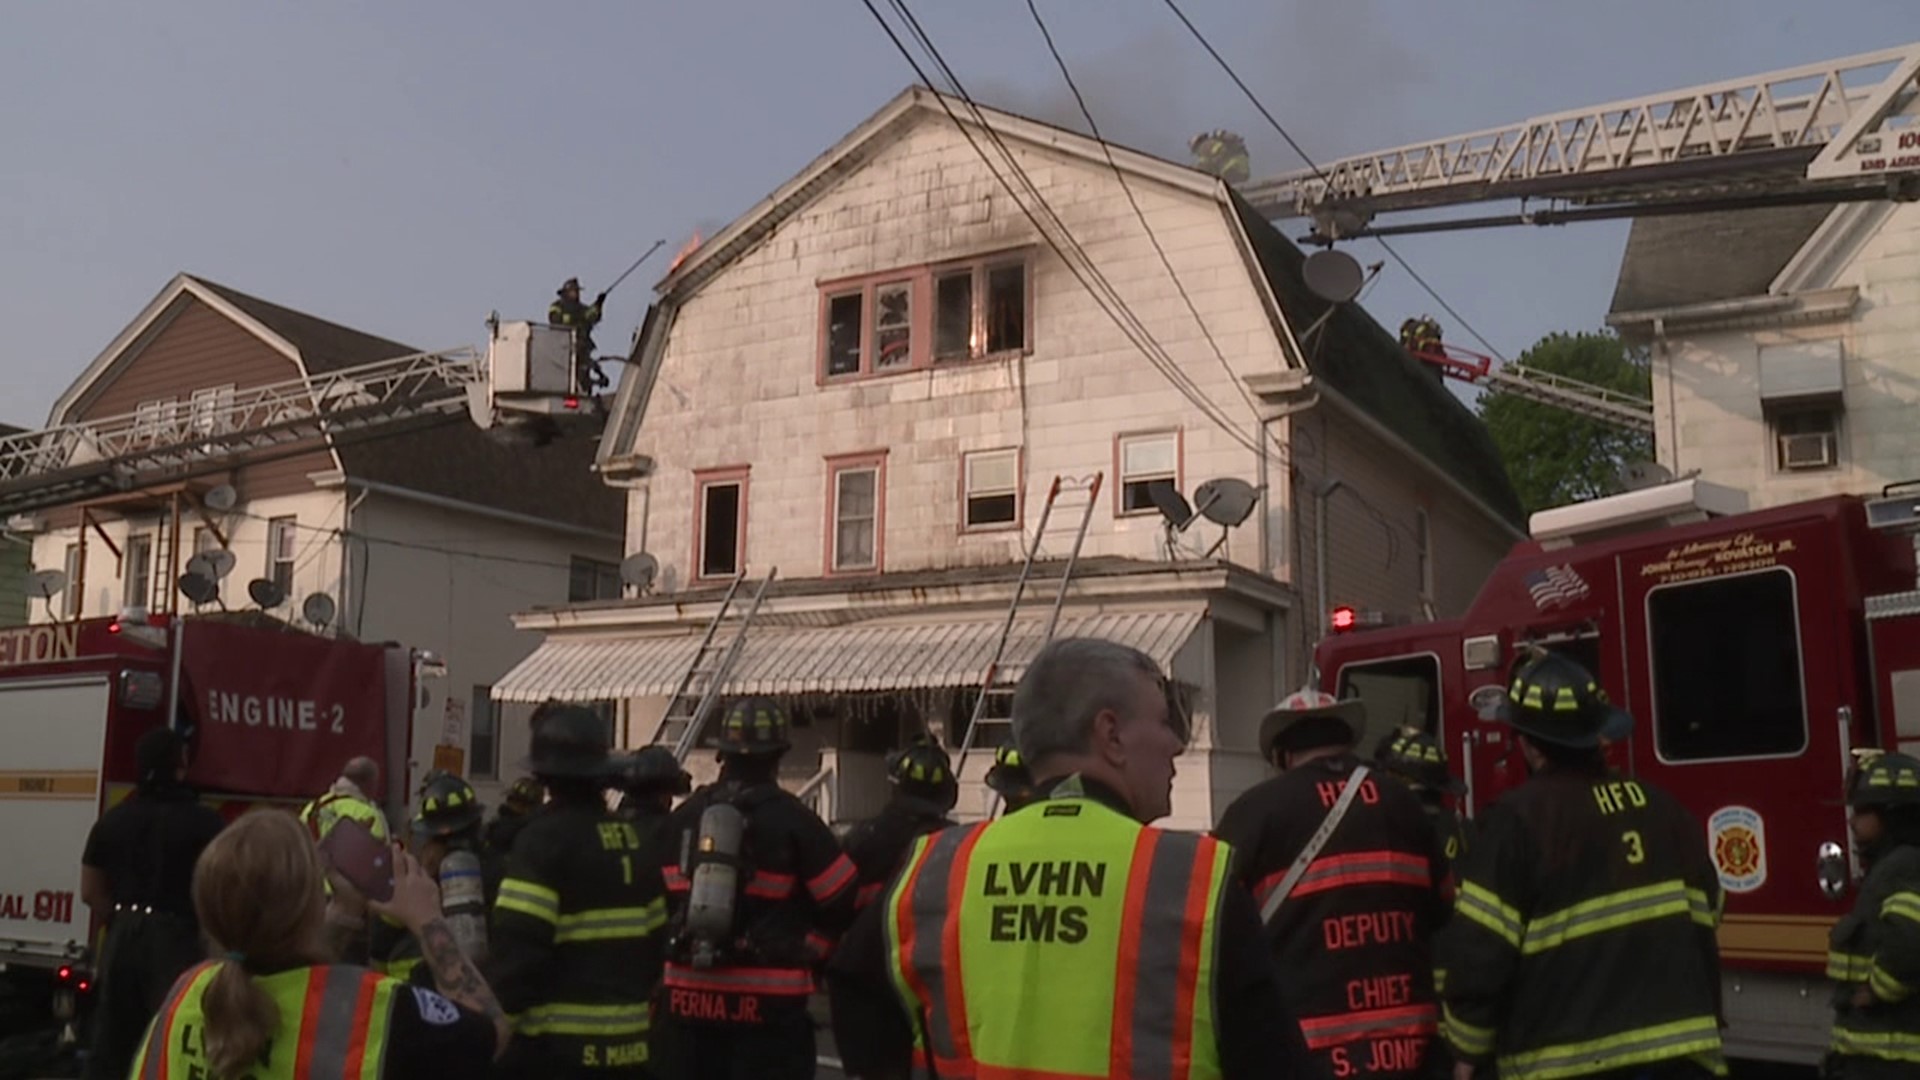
(824, 660)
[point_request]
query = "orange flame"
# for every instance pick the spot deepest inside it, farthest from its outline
(693, 245)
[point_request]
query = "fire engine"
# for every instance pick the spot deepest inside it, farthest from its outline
(1756, 650)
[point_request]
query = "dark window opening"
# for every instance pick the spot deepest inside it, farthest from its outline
(591, 579)
(1726, 668)
(1007, 308)
(843, 334)
(484, 736)
(1400, 693)
(953, 316)
(720, 530)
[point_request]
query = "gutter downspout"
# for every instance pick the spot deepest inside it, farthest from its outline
(1665, 350)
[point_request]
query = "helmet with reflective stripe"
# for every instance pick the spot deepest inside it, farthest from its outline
(1301, 720)
(754, 725)
(1010, 778)
(1418, 758)
(1555, 700)
(447, 805)
(570, 741)
(526, 793)
(922, 769)
(654, 768)
(1884, 780)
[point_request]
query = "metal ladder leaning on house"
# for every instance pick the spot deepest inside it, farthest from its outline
(699, 687)
(988, 691)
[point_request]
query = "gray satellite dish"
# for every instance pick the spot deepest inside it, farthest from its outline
(222, 561)
(198, 587)
(317, 609)
(1227, 500)
(265, 593)
(1173, 505)
(203, 566)
(46, 584)
(1640, 475)
(221, 498)
(1334, 276)
(639, 569)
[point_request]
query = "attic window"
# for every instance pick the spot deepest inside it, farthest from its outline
(904, 320)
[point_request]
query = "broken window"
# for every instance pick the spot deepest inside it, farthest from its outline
(843, 334)
(856, 516)
(1006, 315)
(992, 479)
(723, 525)
(1144, 459)
(953, 336)
(893, 326)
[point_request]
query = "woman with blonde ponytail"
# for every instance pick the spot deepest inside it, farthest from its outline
(270, 1005)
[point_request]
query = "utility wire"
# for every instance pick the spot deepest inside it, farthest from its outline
(1174, 6)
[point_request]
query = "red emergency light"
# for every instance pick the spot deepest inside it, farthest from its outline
(571, 403)
(1344, 619)
(65, 973)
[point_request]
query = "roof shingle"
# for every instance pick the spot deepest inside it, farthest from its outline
(1699, 258)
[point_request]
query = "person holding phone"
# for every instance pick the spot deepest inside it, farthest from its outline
(271, 1003)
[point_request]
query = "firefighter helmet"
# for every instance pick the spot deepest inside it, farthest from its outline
(1010, 778)
(1884, 780)
(1555, 700)
(570, 283)
(654, 768)
(1417, 757)
(570, 741)
(1287, 719)
(754, 725)
(922, 769)
(447, 806)
(525, 794)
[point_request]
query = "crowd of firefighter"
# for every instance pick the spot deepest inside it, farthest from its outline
(1340, 920)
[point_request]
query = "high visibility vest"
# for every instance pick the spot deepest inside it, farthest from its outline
(323, 813)
(334, 1021)
(1066, 940)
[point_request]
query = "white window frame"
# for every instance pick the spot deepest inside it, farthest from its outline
(283, 547)
(1121, 443)
(70, 597)
(138, 570)
(1830, 435)
(209, 408)
(876, 521)
(969, 492)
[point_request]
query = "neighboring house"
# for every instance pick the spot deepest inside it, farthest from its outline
(871, 381)
(1782, 342)
(424, 532)
(16, 560)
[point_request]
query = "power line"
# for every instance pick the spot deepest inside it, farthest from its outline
(1174, 6)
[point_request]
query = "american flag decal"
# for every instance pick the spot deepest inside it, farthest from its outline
(1556, 586)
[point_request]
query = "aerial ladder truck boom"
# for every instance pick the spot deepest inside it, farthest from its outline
(1840, 130)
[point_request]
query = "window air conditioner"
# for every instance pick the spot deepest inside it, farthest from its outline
(1808, 450)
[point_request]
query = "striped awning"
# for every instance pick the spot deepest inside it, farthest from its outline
(818, 660)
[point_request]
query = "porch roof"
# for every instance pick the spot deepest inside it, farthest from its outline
(865, 656)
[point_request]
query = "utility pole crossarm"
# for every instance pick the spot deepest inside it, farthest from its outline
(1839, 125)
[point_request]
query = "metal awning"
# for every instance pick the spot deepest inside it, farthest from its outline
(821, 660)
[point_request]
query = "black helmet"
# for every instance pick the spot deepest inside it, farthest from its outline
(754, 725)
(525, 794)
(1555, 700)
(1884, 780)
(1418, 758)
(1010, 776)
(655, 768)
(570, 741)
(923, 770)
(447, 805)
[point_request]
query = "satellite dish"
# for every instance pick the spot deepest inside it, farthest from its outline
(47, 583)
(221, 498)
(198, 587)
(638, 570)
(1640, 475)
(1227, 500)
(202, 566)
(317, 609)
(1334, 276)
(222, 561)
(265, 593)
(1173, 505)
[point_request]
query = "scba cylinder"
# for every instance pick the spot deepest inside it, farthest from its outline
(716, 873)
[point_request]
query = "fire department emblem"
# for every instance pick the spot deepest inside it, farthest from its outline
(1738, 837)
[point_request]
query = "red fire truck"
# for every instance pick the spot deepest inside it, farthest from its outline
(272, 712)
(1755, 650)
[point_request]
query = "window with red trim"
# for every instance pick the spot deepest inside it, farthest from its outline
(856, 517)
(720, 529)
(906, 319)
(991, 483)
(1143, 459)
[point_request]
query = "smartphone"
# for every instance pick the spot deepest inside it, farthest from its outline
(366, 862)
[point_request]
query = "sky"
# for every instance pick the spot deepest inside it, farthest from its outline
(408, 168)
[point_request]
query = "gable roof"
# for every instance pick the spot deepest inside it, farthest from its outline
(1674, 261)
(1365, 364)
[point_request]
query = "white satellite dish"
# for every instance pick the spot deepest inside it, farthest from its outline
(317, 609)
(1226, 501)
(47, 584)
(1334, 276)
(639, 570)
(1640, 475)
(221, 498)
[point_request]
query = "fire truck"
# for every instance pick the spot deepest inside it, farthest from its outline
(1755, 650)
(271, 711)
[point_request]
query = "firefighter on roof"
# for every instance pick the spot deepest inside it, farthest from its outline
(1351, 912)
(759, 891)
(1577, 881)
(579, 924)
(1223, 154)
(1421, 335)
(924, 792)
(1874, 959)
(567, 310)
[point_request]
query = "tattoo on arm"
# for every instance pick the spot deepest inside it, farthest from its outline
(455, 975)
